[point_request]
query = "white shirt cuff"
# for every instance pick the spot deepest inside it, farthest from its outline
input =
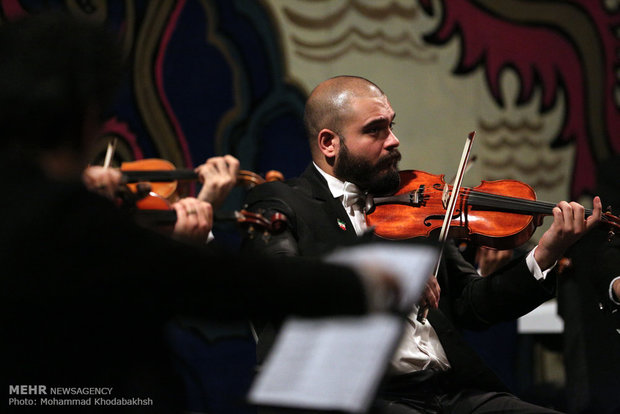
(532, 265)
(611, 292)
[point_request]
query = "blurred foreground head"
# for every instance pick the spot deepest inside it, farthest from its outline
(57, 75)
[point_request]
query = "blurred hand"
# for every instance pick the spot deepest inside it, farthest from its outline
(104, 181)
(489, 260)
(382, 289)
(218, 176)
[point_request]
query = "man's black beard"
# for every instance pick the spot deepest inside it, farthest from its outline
(368, 177)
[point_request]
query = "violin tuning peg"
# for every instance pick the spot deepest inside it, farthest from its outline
(251, 232)
(565, 264)
(266, 236)
(369, 204)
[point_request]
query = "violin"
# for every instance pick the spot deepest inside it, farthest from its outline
(251, 222)
(163, 177)
(152, 185)
(500, 214)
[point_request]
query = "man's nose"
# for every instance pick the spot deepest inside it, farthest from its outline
(392, 141)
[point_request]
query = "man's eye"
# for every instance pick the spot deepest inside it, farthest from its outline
(392, 125)
(379, 129)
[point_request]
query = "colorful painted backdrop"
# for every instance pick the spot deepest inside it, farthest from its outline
(538, 81)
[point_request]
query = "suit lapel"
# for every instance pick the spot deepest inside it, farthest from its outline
(338, 224)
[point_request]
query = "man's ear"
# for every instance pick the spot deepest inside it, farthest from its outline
(328, 142)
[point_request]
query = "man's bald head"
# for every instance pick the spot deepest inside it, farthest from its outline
(329, 103)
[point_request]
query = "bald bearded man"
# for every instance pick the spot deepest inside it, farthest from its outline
(349, 123)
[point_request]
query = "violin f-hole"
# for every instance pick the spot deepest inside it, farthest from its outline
(455, 216)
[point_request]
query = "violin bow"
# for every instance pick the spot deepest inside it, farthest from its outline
(470, 163)
(109, 153)
(445, 227)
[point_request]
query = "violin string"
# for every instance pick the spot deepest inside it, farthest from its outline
(499, 201)
(516, 203)
(521, 205)
(541, 206)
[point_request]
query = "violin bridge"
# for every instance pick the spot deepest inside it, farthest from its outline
(417, 197)
(445, 196)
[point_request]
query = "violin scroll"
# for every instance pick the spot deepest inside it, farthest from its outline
(614, 223)
(255, 222)
(249, 179)
(273, 175)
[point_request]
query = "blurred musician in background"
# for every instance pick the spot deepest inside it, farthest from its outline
(589, 304)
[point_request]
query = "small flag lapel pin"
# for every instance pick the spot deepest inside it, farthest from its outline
(342, 225)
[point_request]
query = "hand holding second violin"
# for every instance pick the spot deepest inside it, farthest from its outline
(194, 220)
(569, 224)
(218, 176)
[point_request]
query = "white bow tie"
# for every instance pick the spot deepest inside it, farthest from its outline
(352, 195)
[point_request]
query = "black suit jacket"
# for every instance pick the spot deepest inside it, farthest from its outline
(607, 268)
(591, 336)
(467, 300)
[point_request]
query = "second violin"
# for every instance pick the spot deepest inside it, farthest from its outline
(163, 176)
(152, 185)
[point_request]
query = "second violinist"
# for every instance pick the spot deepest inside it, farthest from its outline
(194, 215)
(349, 123)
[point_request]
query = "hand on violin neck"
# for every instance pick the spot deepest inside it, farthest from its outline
(101, 180)
(218, 176)
(569, 225)
(194, 220)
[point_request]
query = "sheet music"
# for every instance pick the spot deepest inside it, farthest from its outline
(333, 364)
(412, 264)
(337, 363)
